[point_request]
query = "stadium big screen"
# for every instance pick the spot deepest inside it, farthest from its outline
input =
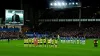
(14, 17)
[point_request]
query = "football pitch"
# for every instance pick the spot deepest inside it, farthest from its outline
(16, 48)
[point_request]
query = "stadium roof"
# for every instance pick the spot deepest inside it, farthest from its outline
(41, 3)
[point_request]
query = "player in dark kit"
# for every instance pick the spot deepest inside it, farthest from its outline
(95, 43)
(8, 39)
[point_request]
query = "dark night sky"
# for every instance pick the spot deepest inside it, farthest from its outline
(16, 4)
(40, 4)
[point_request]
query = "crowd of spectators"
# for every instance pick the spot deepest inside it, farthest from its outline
(10, 32)
(87, 32)
(11, 35)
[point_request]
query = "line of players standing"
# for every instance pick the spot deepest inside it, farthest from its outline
(53, 41)
(73, 40)
(41, 42)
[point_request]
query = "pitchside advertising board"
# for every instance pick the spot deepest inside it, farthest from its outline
(14, 17)
(32, 35)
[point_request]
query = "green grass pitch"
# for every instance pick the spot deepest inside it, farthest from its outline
(16, 48)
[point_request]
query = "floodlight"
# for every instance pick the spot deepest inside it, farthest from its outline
(66, 3)
(63, 3)
(73, 3)
(69, 3)
(59, 4)
(51, 4)
(55, 4)
(76, 3)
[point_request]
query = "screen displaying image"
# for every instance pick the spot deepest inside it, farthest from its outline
(14, 17)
